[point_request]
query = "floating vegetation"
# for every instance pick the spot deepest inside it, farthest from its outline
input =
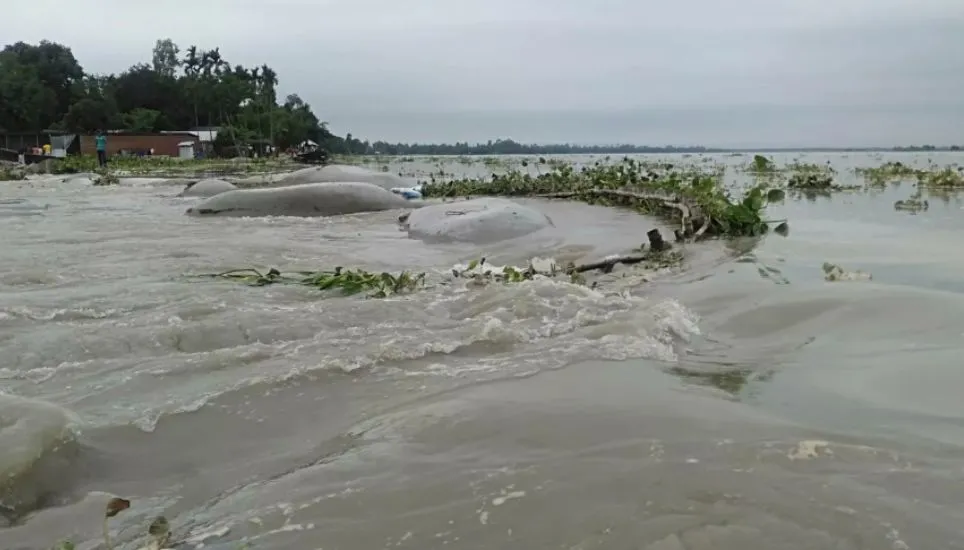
(806, 168)
(949, 177)
(658, 254)
(809, 178)
(761, 165)
(887, 172)
(913, 205)
(694, 199)
(812, 182)
(105, 177)
(730, 380)
(348, 281)
(946, 178)
(479, 272)
(833, 272)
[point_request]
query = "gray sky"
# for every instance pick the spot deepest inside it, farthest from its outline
(734, 73)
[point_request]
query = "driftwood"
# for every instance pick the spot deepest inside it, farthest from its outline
(656, 245)
(656, 241)
(607, 265)
(685, 210)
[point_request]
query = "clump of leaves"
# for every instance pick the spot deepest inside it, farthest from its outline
(833, 272)
(114, 506)
(159, 532)
(348, 281)
(694, 198)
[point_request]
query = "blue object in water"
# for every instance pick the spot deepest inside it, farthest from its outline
(408, 193)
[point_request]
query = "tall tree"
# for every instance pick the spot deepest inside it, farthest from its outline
(57, 69)
(192, 69)
(25, 103)
(165, 58)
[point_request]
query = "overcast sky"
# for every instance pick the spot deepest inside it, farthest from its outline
(733, 73)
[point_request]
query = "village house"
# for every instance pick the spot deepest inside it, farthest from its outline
(140, 143)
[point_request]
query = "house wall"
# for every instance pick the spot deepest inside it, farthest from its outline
(163, 144)
(17, 140)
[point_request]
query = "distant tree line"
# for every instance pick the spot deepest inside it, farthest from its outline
(44, 87)
(917, 148)
(505, 147)
(510, 147)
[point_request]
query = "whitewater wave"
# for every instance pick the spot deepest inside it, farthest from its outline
(36, 444)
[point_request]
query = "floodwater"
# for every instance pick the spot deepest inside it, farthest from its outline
(741, 403)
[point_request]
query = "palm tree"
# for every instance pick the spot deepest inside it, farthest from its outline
(269, 79)
(217, 62)
(191, 61)
(192, 65)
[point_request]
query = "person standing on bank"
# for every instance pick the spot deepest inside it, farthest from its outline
(100, 140)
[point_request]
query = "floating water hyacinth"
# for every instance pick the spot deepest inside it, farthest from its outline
(693, 198)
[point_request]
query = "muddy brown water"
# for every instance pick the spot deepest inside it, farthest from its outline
(742, 403)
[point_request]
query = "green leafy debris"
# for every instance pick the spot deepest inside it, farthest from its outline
(348, 281)
(693, 198)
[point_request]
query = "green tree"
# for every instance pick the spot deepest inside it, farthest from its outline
(43, 86)
(25, 103)
(141, 120)
(164, 59)
(141, 87)
(57, 69)
(92, 114)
